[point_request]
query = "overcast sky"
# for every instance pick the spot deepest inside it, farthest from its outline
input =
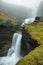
(26, 3)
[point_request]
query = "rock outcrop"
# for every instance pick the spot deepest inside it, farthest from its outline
(27, 43)
(8, 27)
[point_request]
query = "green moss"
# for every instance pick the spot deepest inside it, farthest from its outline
(35, 57)
(12, 20)
(36, 30)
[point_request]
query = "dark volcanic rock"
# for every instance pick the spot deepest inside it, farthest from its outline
(6, 33)
(27, 43)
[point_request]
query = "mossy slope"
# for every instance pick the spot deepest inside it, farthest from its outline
(36, 30)
(35, 57)
(6, 18)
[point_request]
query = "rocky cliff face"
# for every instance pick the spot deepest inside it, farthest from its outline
(27, 43)
(7, 28)
(5, 39)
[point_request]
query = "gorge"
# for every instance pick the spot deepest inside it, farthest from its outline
(15, 53)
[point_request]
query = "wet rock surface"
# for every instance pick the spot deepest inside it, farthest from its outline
(6, 33)
(28, 44)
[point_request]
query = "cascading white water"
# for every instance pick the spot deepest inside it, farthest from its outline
(28, 21)
(14, 52)
(14, 40)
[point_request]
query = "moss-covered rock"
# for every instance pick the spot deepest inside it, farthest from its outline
(36, 30)
(27, 43)
(8, 26)
(35, 57)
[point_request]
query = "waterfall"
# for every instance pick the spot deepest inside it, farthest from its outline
(12, 49)
(28, 21)
(13, 55)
